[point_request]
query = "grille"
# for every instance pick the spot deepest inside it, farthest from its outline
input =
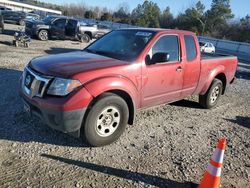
(34, 84)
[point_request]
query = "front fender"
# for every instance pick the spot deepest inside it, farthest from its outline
(104, 84)
(211, 75)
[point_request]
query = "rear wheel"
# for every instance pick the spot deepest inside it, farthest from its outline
(43, 35)
(210, 99)
(85, 38)
(106, 120)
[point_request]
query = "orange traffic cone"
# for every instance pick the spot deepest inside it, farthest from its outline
(211, 178)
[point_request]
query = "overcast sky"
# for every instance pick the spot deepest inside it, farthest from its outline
(240, 7)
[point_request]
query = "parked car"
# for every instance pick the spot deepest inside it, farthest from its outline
(58, 27)
(1, 23)
(4, 8)
(14, 17)
(95, 93)
(32, 16)
(102, 30)
(40, 13)
(94, 31)
(207, 47)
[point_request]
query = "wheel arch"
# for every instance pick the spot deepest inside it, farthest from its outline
(222, 78)
(127, 98)
(119, 86)
(216, 73)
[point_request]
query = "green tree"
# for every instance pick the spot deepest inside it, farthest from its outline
(166, 18)
(218, 16)
(146, 15)
(106, 17)
(90, 14)
(122, 15)
(197, 13)
(193, 19)
(238, 31)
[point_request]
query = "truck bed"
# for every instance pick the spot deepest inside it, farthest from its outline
(212, 64)
(207, 56)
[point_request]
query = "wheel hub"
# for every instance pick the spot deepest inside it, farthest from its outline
(108, 121)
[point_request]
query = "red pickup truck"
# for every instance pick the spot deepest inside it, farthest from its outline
(95, 92)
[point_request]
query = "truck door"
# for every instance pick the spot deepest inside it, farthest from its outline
(58, 28)
(71, 28)
(163, 80)
(192, 66)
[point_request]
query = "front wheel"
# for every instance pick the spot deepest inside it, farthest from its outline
(43, 35)
(210, 99)
(106, 120)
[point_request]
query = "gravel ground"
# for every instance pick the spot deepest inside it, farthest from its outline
(168, 146)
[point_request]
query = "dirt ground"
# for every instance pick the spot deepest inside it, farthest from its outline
(168, 146)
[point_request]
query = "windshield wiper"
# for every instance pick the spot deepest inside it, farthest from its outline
(96, 52)
(106, 54)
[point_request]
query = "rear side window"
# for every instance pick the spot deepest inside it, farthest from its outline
(191, 50)
(168, 44)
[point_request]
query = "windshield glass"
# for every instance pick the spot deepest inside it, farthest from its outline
(121, 44)
(201, 43)
(48, 19)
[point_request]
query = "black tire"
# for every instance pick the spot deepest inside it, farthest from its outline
(15, 43)
(91, 131)
(85, 38)
(210, 99)
(26, 44)
(43, 35)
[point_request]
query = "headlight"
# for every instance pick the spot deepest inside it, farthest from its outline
(62, 87)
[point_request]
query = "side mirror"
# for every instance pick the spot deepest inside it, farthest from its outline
(160, 58)
(148, 60)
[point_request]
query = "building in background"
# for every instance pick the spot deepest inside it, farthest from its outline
(18, 6)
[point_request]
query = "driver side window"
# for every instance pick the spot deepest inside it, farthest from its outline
(60, 23)
(167, 44)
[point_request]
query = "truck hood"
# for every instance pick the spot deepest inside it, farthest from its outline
(67, 65)
(36, 22)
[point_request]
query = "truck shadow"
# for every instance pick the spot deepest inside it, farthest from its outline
(125, 174)
(7, 43)
(9, 32)
(17, 126)
(187, 104)
(60, 50)
(240, 120)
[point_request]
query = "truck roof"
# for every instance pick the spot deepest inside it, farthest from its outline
(158, 30)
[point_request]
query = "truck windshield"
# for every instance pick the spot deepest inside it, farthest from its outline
(48, 19)
(121, 44)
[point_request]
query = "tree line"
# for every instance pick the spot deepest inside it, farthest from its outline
(217, 21)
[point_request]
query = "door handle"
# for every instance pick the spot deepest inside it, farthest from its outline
(179, 69)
